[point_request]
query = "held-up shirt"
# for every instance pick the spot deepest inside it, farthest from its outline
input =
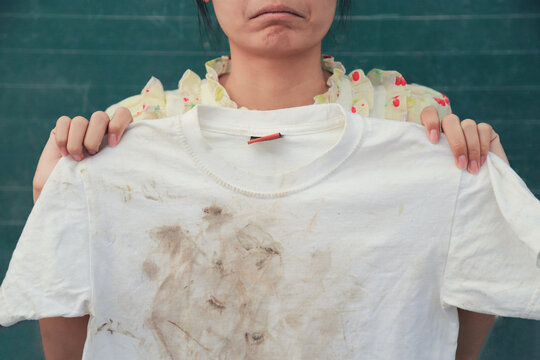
(329, 242)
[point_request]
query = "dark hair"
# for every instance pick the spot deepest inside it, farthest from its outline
(204, 17)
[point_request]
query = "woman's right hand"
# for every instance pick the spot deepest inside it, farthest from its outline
(77, 137)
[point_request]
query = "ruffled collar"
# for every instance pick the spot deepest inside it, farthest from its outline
(222, 65)
(394, 99)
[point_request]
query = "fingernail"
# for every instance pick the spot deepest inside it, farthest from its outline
(483, 160)
(77, 157)
(112, 140)
(462, 162)
(433, 136)
(473, 166)
(63, 151)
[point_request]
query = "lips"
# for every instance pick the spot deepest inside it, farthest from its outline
(276, 9)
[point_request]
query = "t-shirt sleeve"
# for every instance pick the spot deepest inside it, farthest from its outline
(493, 263)
(48, 274)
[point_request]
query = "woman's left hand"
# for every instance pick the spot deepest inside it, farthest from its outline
(470, 142)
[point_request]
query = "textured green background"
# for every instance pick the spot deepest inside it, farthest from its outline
(69, 57)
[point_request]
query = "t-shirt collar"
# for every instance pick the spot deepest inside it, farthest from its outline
(288, 121)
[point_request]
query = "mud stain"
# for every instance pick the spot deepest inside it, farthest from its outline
(225, 296)
(126, 192)
(312, 223)
(216, 303)
(150, 269)
(215, 217)
(227, 283)
(169, 238)
(254, 338)
(113, 327)
(189, 335)
(150, 191)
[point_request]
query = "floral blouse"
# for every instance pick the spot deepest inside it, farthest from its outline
(380, 93)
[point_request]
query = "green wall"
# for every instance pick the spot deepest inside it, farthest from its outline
(63, 57)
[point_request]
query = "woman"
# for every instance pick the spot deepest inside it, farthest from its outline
(279, 52)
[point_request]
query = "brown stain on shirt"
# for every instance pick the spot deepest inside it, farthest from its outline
(169, 238)
(113, 327)
(220, 297)
(151, 192)
(126, 192)
(214, 216)
(150, 269)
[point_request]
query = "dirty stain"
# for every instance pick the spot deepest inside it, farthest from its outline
(312, 223)
(150, 191)
(169, 238)
(113, 327)
(126, 192)
(400, 210)
(171, 195)
(224, 294)
(215, 217)
(150, 269)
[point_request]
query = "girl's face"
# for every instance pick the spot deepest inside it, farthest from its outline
(275, 34)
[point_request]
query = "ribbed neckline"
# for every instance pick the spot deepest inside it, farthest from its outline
(289, 121)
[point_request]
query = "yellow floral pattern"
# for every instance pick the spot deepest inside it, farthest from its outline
(380, 93)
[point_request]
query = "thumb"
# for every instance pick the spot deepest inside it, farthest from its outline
(429, 117)
(496, 147)
(47, 161)
(121, 119)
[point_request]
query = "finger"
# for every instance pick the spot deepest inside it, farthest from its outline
(454, 134)
(99, 121)
(429, 117)
(473, 144)
(47, 161)
(120, 121)
(497, 148)
(61, 134)
(485, 132)
(77, 130)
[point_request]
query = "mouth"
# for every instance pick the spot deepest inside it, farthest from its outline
(276, 9)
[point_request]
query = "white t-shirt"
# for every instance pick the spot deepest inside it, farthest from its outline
(347, 238)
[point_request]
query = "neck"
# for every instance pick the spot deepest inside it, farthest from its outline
(260, 82)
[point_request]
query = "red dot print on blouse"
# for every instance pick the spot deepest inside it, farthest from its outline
(186, 99)
(355, 76)
(400, 80)
(445, 98)
(353, 109)
(440, 101)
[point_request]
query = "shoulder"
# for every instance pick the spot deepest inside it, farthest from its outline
(154, 102)
(144, 141)
(393, 97)
(405, 139)
(150, 132)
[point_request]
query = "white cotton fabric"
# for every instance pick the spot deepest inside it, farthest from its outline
(347, 238)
